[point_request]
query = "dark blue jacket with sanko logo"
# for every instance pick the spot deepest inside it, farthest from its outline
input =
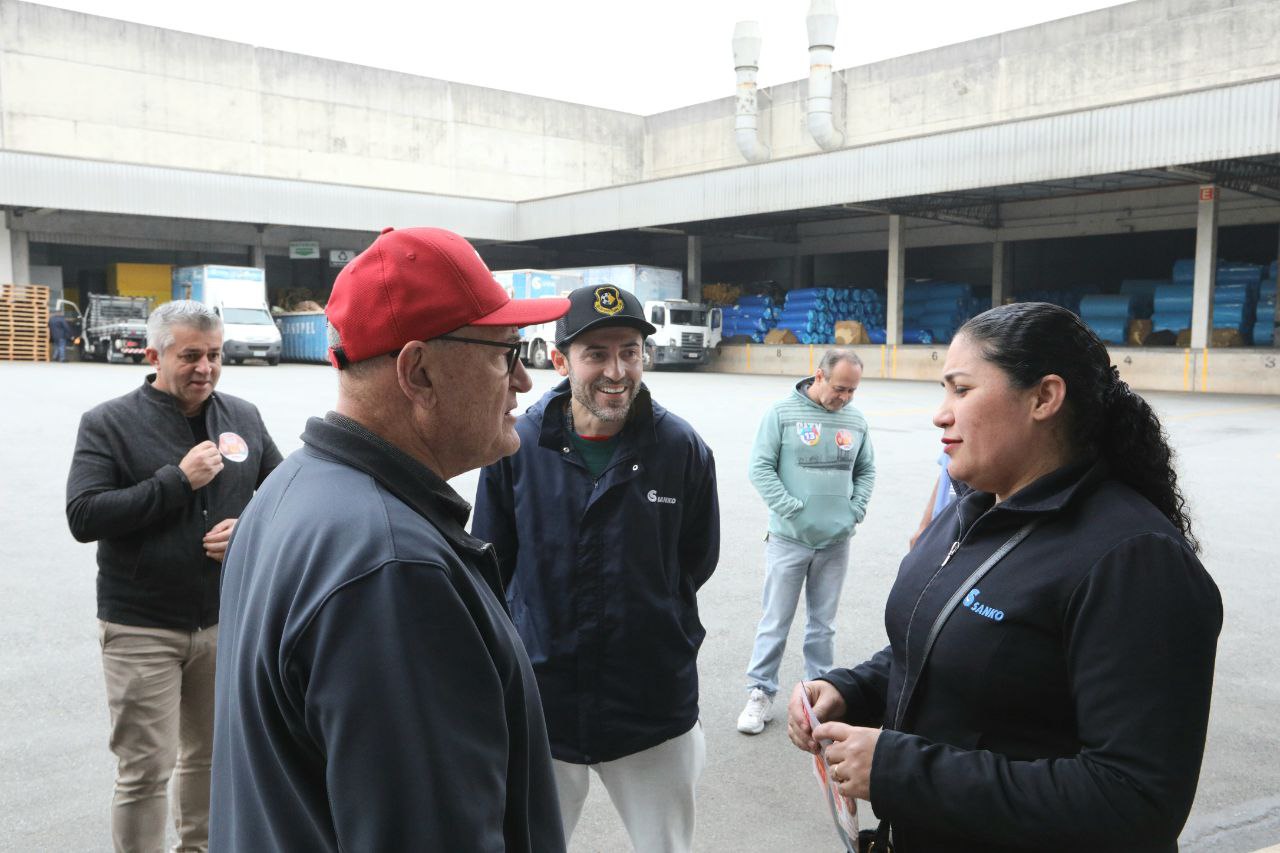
(602, 574)
(1064, 703)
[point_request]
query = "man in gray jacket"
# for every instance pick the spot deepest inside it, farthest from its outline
(158, 478)
(813, 465)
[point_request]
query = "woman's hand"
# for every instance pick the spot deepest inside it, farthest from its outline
(827, 704)
(849, 756)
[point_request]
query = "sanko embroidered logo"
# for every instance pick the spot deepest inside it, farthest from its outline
(655, 498)
(971, 603)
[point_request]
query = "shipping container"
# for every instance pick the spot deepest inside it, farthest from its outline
(305, 337)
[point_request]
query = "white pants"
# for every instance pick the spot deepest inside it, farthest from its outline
(652, 791)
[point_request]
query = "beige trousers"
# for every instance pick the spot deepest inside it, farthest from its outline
(160, 692)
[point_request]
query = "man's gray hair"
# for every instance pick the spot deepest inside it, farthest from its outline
(832, 357)
(179, 312)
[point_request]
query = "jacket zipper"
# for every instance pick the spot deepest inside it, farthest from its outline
(898, 710)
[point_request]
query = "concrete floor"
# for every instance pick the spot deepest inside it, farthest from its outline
(757, 793)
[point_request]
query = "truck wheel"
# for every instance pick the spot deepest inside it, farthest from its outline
(273, 361)
(137, 359)
(538, 356)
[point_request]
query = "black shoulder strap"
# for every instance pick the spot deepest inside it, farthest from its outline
(947, 609)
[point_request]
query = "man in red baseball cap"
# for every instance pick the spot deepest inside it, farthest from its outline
(372, 693)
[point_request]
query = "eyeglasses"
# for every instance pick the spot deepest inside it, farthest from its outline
(513, 349)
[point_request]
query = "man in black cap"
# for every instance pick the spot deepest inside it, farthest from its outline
(606, 522)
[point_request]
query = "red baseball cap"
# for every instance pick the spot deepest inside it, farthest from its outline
(415, 284)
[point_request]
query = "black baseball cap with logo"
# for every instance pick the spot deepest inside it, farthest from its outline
(597, 306)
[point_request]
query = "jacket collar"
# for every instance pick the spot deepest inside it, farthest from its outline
(405, 477)
(640, 428)
(1051, 493)
(163, 398)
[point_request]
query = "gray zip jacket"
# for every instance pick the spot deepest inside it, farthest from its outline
(125, 490)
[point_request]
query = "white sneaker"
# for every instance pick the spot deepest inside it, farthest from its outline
(759, 711)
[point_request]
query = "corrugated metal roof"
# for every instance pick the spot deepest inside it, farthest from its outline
(34, 180)
(1222, 123)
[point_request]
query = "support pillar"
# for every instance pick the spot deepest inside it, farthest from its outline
(693, 269)
(6, 255)
(896, 282)
(258, 252)
(801, 272)
(1206, 266)
(20, 252)
(1001, 272)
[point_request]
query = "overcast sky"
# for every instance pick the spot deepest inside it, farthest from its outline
(641, 57)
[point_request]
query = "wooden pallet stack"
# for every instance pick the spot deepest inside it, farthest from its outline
(24, 322)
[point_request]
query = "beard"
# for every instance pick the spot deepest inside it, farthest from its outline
(584, 395)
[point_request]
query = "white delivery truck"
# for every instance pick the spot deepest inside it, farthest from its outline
(239, 295)
(687, 332)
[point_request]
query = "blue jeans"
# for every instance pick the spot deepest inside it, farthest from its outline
(788, 567)
(59, 350)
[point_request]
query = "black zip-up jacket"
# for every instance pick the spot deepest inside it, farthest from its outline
(372, 693)
(125, 490)
(1065, 701)
(603, 573)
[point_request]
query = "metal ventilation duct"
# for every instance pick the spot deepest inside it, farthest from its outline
(821, 23)
(746, 61)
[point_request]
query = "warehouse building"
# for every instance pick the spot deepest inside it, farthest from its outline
(1120, 161)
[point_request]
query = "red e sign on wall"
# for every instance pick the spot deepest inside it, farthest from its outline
(1208, 193)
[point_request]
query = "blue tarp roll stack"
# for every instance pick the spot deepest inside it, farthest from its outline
(864, 305)
(1172, 307)
(1108, 315)
(938, 308)
(752, 316)
(1264, 325)
(1235, 297)
(809, 313)
(1143, 291)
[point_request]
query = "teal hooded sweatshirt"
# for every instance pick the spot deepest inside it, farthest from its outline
(815, 469)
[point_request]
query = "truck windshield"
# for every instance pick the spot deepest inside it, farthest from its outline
(688, 317)
(246, 317)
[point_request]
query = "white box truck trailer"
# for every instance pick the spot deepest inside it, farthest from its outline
(687, 332)
(239, 295)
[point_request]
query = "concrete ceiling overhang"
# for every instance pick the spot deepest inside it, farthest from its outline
(973, 178)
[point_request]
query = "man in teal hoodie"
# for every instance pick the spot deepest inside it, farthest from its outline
(813, 464)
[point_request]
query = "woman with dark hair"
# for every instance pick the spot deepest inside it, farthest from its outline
(1051, 635)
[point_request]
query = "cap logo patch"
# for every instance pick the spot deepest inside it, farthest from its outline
(608, 300)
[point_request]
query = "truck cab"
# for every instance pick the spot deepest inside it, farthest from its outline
(686, 333)
(248, 332)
